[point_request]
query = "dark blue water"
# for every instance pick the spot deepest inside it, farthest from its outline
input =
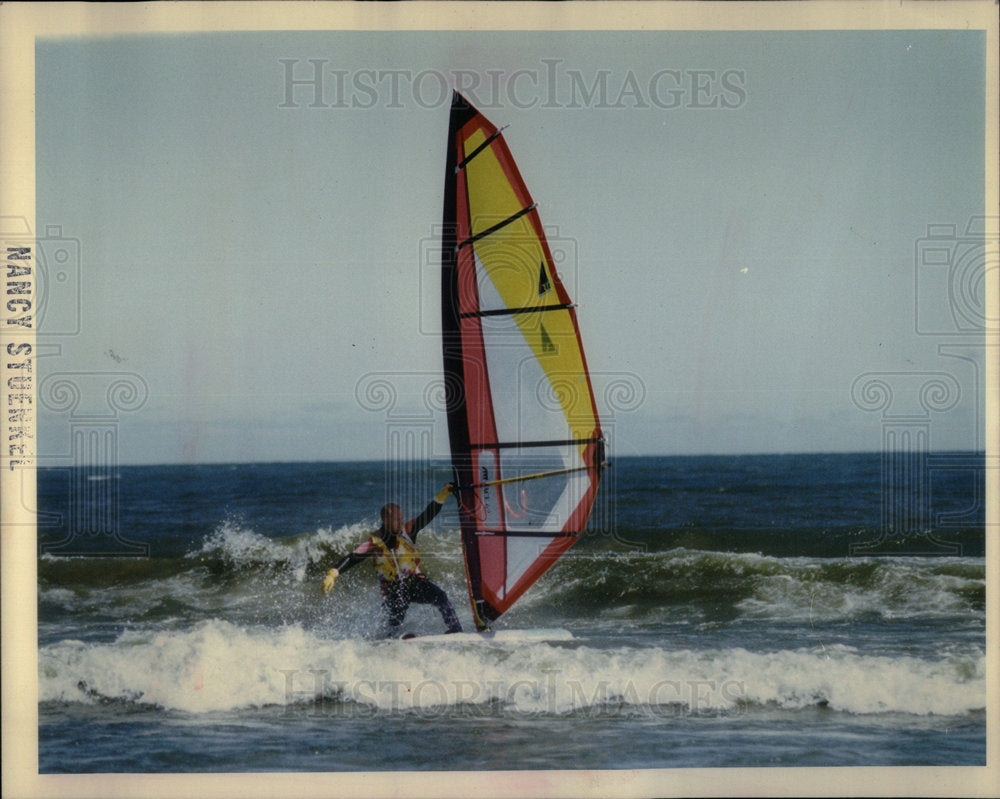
(767, 610)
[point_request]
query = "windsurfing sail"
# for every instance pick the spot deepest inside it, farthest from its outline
(526, 440)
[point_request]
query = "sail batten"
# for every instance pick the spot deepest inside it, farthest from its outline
(479, 149)
(549, 443)
(526, 439)
(498, 226)
(509, 311)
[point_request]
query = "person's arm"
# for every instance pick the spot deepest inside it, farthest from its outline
(428, 514)
(358, 555)
(366, 550)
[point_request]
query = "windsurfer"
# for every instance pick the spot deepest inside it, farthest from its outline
(397, 563)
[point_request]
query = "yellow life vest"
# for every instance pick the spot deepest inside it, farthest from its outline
(398, 562)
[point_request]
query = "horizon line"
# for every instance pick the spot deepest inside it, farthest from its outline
(446, 462)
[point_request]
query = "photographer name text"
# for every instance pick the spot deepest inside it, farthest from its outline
(18, 355)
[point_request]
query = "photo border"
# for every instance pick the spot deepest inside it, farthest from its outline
(23, 23)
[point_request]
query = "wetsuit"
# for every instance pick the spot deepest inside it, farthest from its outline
(397, 562)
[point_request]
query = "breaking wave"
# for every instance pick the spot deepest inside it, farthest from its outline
(218, 666)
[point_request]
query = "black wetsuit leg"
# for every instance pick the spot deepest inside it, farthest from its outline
(395, 601)
(423, 591)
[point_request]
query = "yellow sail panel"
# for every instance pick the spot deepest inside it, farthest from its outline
(513, 257)
(554, 343)
(491, 195)
(517, 264)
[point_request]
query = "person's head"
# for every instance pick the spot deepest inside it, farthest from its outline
(392, 518)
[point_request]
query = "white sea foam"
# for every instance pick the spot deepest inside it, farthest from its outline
(217, 666)
(240, 546)
(899, 588)
(767, 587)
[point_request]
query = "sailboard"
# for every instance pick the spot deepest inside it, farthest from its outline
(526, 441)
(547, 635)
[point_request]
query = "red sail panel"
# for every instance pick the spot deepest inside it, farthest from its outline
(526, 438)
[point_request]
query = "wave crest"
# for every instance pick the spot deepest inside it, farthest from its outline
(219, 666)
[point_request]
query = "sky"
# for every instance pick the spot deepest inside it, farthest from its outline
(742, 219)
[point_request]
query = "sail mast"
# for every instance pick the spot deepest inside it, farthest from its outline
(451, 340)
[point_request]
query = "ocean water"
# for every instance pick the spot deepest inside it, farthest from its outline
(805, 610)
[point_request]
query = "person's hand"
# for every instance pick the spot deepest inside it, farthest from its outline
(329, 580)
(442, 495)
